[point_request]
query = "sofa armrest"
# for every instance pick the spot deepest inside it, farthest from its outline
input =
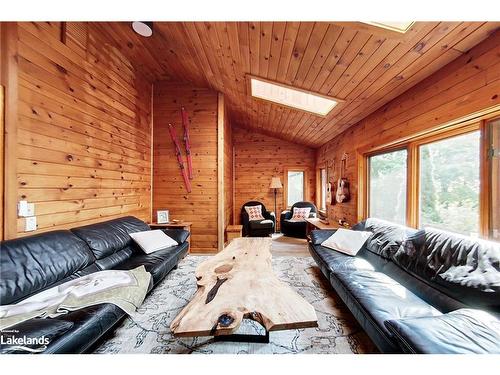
(269, 215)
(179, 235)
(458, 332)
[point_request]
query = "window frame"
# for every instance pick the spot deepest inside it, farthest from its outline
(319, 190)
(478, 122)
(285, 184)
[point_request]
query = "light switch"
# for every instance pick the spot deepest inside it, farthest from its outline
(22, 209)
(31, 209)
(30, 224)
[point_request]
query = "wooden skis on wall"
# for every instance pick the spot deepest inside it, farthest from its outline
(178, 154)
(185, 125)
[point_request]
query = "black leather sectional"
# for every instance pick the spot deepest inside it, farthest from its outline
(32, 264)
(418, 291)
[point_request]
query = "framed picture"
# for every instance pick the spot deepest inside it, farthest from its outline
(162, 217)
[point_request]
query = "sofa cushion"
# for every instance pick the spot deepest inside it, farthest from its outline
(158, 263)
(387, 237)
(30, 264)
(33, 329)
(381, 298)
(464, 268)
(110, 236)
(178, 235)
(458, 332)
(89, 325)
(332, 260)
(318, 236)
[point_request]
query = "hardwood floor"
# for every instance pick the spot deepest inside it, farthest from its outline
(289, 246)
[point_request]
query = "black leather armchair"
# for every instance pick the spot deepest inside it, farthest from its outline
(296, 229)
(255, 228)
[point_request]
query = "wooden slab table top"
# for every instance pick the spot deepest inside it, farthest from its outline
(239, 283)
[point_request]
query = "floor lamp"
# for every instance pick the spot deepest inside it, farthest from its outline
(275, 184)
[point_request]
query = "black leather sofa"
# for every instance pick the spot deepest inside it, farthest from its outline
(418, 291)
(296, 229)
(257, 228)
(32, 264)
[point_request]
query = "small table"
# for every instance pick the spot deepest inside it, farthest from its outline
(186, 225)
(233, 231)
(239, 283)
(315, 223)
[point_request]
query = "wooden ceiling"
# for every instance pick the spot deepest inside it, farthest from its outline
(364, 65)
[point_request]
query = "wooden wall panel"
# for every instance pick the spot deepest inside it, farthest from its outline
(469, 84)
(257, 159)
(169, 192)
(83, 135)
(228, 172)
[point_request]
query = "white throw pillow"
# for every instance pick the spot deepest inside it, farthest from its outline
(347, 241)
(300, 214)
(254, 212)
(152, 240)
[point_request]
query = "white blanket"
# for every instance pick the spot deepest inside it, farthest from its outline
(126, 289)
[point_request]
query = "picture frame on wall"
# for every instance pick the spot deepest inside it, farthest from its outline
(162, 217)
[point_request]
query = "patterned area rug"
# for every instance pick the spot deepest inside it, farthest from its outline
(149, 332)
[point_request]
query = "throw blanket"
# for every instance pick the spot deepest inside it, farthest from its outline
(125, 289)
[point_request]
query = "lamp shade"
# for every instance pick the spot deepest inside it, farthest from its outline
(275, 183)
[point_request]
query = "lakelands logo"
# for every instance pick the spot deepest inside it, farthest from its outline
(23, 343)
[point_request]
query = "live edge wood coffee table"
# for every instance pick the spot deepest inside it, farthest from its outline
(239, 283)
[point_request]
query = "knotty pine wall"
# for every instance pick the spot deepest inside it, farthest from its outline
(257, 159)
(468, 84)
(228, 172)
(80, 131)
(169, 192)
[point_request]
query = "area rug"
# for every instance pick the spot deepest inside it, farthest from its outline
(149, 332)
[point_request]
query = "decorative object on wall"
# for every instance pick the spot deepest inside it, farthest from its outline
(185, 126)
(275, 184)
(329, 187)
(143, 28)
(178, 153)
(342, 195)
(162, 217)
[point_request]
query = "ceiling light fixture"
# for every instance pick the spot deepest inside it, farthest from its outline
(143, 28)
(289, 96)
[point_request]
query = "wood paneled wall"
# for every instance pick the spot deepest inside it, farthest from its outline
(169, 192)
(83, 125)
(257, 159)
(469, 84)
(228, 171)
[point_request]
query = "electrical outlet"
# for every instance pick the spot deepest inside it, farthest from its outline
(30, 224)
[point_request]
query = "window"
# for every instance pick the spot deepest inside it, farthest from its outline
(387, 186)
(294, 187)
(494, 177)
(323, 187)
(449, 184)
(291, 97)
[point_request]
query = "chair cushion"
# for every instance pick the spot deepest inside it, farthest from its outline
(458, 332)
(382, 298)
(30, 264)
(261, 224)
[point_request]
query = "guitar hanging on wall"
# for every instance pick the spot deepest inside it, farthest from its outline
(178, 154)
(342, 195)
(329, 196)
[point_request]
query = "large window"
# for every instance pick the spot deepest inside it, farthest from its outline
(447, 179)
(387, 186)
(294, 187)
(449, 184)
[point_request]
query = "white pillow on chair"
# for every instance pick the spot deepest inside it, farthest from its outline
(347, 241)
(152, 240)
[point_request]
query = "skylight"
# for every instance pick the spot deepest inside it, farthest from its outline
(400, 27)
(290, 97)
